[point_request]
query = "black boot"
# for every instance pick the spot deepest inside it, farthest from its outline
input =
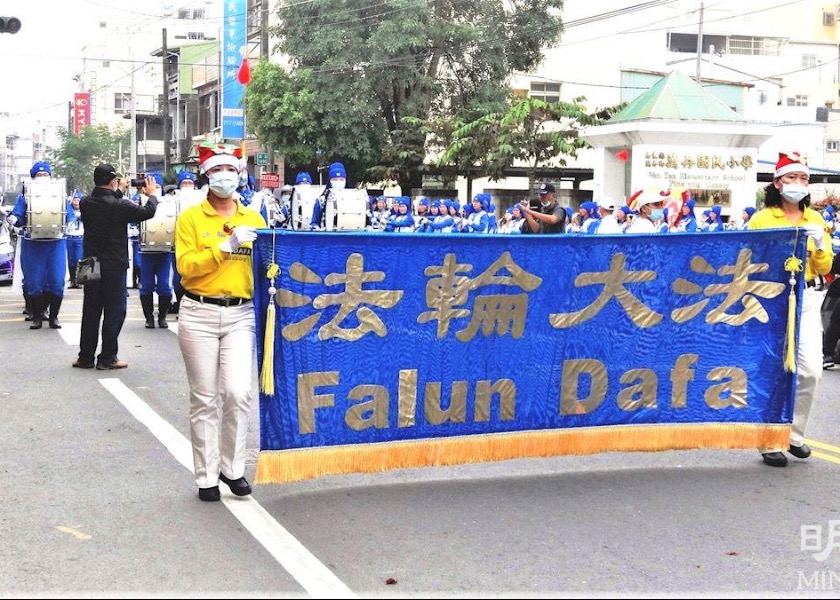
(73, 285)
(148, 304)
(55, 307)
(163, 310)
(37, 305)
(27, 307)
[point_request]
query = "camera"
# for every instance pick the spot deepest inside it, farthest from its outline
(140, 181)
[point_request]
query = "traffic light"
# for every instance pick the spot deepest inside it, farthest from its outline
(9, 24)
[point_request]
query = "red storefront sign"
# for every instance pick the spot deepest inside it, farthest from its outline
(81, 112)
(269, 180)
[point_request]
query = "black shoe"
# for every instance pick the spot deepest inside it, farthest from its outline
(210, 494)
(774, 459)
(54, 323)
(803, 451)
(828, 362)
(150, 323)
(240, 487)
(80, 364)
(36, 324)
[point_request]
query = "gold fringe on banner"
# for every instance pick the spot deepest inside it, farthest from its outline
(283, 466)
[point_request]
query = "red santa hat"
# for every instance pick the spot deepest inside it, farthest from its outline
(211, 154)
(791, 162)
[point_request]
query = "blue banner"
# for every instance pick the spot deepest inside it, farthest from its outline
(233, 49)
(416, 338)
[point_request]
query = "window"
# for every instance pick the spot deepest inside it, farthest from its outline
(122, 103)
(832, 146)
(754, 46)
(798, 100)
(547, 92)
(809, 61)
(198, 13)
(828, 19)
(195, 35)
(106, 64)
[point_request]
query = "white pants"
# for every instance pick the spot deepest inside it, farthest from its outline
(218, 345)
(808, 363)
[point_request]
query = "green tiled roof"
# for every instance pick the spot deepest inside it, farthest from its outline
(677, 97)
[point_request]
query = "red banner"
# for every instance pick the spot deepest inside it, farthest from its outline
(81, 113)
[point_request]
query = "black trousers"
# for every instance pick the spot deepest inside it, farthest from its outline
(831, 308)
(104, 302)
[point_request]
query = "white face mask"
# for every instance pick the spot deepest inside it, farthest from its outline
(545, 203)
(223, 183)
(657, 214)
(338, 184)
(794, 192)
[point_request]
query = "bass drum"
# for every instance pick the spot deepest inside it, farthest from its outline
(347, 210)
(303, 205)
(158, 233)
(46, 208)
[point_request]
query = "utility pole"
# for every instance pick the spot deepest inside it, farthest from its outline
(264, 56)
(700, 44)
(165, 108)
(132, 167)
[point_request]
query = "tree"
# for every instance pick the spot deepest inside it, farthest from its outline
(531, 131)
(76, 157)
(370, 63)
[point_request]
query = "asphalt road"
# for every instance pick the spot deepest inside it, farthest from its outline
(98, 500)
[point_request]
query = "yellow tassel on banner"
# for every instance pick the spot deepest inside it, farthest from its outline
(793, 265)
(267, 371)
(283, 466)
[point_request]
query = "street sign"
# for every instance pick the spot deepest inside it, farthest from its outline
(269, 180)
(262, 158)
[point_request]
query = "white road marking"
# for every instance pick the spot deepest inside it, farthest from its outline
(300, 563)
(70, 332)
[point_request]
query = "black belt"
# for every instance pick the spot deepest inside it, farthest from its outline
(217, 301)
(812, 283)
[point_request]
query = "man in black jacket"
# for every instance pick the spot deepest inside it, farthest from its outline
(106, 215)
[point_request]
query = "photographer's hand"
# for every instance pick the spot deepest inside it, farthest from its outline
(150, 186)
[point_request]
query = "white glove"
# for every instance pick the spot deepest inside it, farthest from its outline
(239, 236)
(816, 233)
(11, 220)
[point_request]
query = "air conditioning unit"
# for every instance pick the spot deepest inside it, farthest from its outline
(828, 19)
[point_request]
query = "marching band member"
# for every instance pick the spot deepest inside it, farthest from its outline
(74, 233)
(713, 221)
(423, 223)
(403, 221)
(337, 175)
(479, 221)
(43, 262)
(156, 273)
(686, 221)
(216, 326)
(186, 181)
(379, 215)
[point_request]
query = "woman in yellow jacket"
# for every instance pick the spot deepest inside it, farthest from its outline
(216, 325)
(786, 201)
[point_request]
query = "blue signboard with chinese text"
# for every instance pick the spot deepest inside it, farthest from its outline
(233, 49)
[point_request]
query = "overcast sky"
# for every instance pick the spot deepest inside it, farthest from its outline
(38, 63)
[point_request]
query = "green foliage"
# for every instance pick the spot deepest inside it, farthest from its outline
(360, 67)
(530, 131)
(77, 156)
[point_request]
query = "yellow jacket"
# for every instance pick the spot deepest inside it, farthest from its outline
(819, 261)
(204, 268)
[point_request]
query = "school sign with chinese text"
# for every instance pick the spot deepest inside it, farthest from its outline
(394, 351)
